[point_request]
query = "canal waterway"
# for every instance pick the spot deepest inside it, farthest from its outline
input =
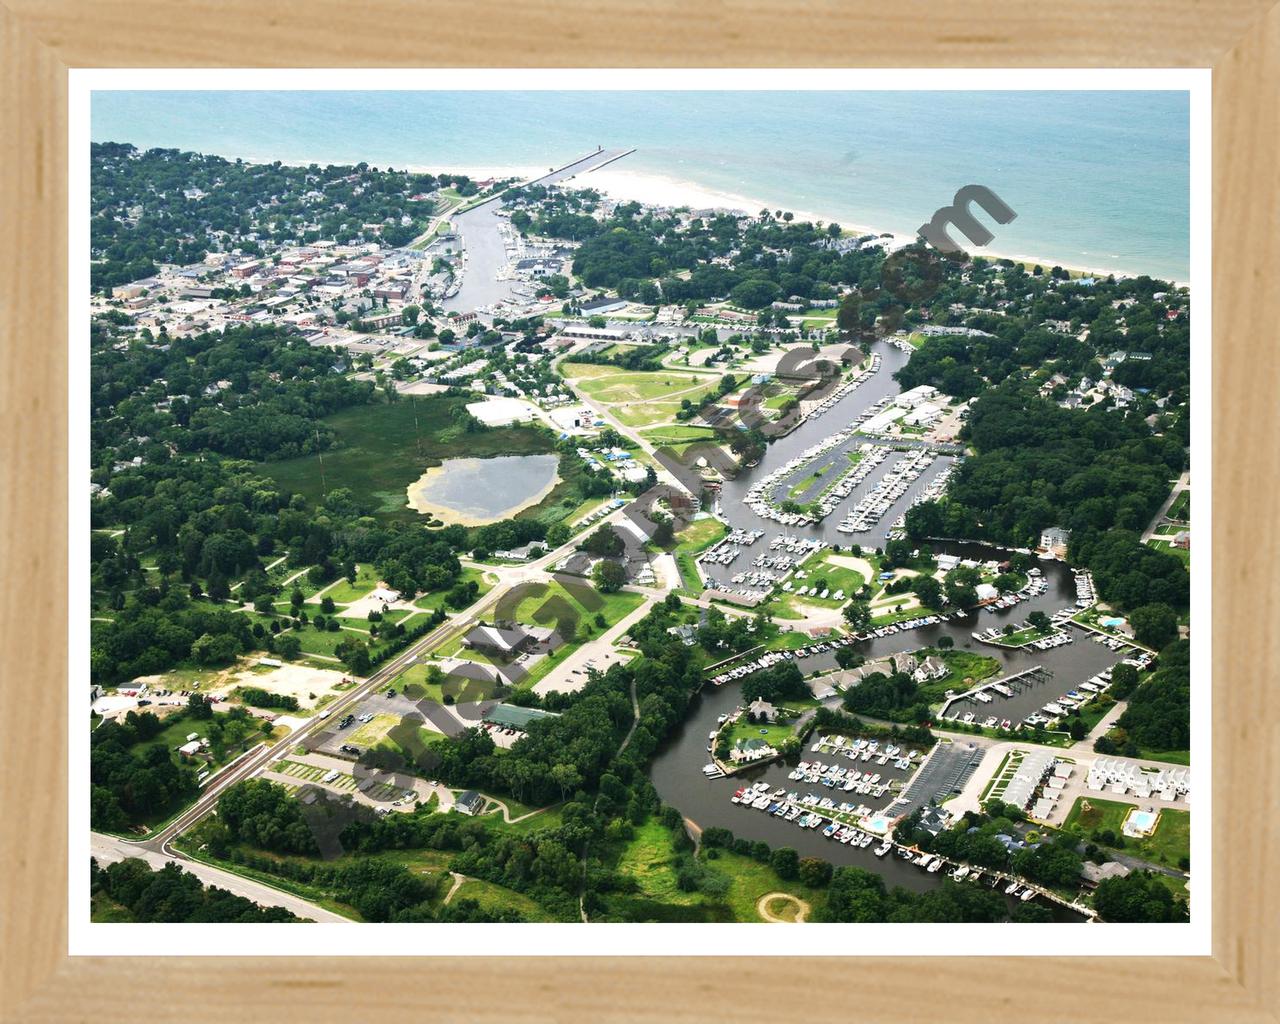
(677, 770)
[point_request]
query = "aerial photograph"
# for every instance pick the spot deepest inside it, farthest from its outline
(638, 506)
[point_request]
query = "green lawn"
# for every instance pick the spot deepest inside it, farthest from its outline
(749, 880)
(344, 592)
(540, 609)
(1166, 545)
(700, 535)
(821, 572)
(1167, 845)
(691, 541)
(1180, 510)
(803, 486)
(678, 436)
(650, 859)
(639, 398)
(774, 734)
(965, 669)
(1022, 637)
(484, 581)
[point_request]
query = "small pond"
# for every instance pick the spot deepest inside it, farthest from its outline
(473, 492)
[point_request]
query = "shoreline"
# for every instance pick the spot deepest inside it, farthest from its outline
(653, 189)
(421, 503)
(661, 190)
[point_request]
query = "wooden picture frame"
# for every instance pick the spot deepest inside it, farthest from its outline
(42, 39)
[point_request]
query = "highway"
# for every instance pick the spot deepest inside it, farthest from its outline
(109, 849)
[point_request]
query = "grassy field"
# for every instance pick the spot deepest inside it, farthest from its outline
(678, 436)
(1167, 845)
(1180, 510)
(690, 542)
(380, 451)
(639, 398)
(1165, 544)
(964, 669)
(772, 734)
(650, 858)
(496, 898)
(344, 592)
(483, 580)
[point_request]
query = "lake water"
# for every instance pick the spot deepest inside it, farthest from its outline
(1099, 179)
(474, 492)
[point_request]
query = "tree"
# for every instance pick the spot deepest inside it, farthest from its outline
(857, 614)
(1140, 897)
(1155, 625)
(608, 576)
(288, 646)
(928, 590)
(567, 778)
(1039, 620)
(209, 649)
(327, 605)
(786, 862)
(1124, 680)
(1077, 729)
(814, 872)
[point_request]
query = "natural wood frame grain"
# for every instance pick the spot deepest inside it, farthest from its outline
(41, 39)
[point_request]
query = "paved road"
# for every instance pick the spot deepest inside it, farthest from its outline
(109, 850)
(1183, 483)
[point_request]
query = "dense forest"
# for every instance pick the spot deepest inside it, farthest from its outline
(652, 257)
(129, 890)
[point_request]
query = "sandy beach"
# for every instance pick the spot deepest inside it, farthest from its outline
(660, 190)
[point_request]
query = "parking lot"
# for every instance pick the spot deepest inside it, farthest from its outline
(372, 787)
(375, 716)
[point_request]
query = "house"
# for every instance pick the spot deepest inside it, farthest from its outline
(1093, 874)
(469, 802)
(497, 639)
(687, 633)
(931, 668)
(750, 750)
(190, 749)
(384, 594)
(1055, 538)
(1183, 540)
(933, 819)
(505, 641)
(763, 710)
(597, 307)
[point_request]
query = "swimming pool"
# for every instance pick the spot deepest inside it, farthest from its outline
(1140, 822)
